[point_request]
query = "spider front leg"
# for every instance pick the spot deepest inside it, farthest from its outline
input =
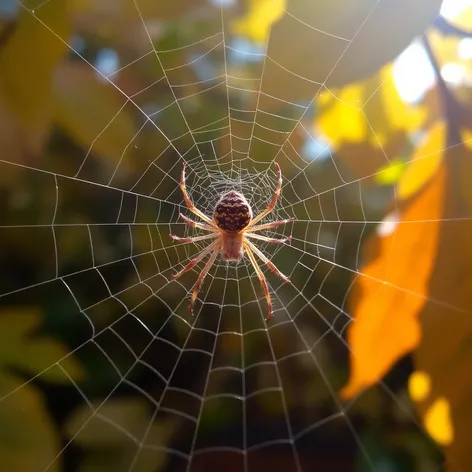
(261, 277)
(195, 224)
(273, 202)
(274, 224)
(189, 202)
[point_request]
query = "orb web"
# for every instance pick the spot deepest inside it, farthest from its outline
(191, 377)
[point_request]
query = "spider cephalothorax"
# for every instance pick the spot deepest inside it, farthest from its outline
(232, 226)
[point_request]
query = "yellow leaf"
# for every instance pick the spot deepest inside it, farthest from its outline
(363, 159)
(437, 417)
(425, 162)
(388, 295)
(415, 293)
(390, 174)
(438, 423)
(384, 113)
(419, 385)
(28, 60)
(340, 119)
(255, 25)
(445, 352)
(29, 440)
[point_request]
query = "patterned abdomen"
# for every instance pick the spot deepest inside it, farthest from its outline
(232, 212)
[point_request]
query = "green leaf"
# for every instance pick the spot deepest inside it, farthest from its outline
(28, 59)
(28, 439)
(85, 106)
(33, 354)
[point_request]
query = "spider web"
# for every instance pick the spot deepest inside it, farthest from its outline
(225, 362)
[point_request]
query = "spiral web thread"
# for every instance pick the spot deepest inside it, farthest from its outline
(230, 309)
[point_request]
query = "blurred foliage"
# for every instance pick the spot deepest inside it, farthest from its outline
(398, 310)
(105, 436)
(256, 23)
(28, 436)
(67, 121)
(333, 32)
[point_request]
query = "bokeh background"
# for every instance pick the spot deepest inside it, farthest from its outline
(367, 108)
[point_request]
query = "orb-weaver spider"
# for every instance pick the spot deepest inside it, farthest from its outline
(232, 225)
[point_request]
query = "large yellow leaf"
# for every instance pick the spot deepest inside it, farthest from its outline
(445, 353)
(415, 294)
(28, 59)
(84, 106)
(339, 42)
(28, 439)
(388, 294)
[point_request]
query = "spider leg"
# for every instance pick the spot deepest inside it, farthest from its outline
(261, 277)
(267, 262)
(203, 274)
(268, 240)
(193, 262)
(193, 239)
(195, 224)
(273, 201)
(189, 203)
(269, 225)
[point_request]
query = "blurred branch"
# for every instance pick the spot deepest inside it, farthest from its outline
(451, 107)
(453, 116)
(448, 29)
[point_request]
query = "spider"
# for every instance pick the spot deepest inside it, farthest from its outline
(232, 226)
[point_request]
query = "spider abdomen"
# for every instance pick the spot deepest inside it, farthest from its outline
(232, 213)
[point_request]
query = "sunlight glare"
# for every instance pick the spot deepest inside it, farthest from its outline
(453, 73)
(465, 48)
(413, 73)
(450, 9)
(107, 61)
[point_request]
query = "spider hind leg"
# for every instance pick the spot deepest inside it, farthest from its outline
(262, 279)
(200, 280)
